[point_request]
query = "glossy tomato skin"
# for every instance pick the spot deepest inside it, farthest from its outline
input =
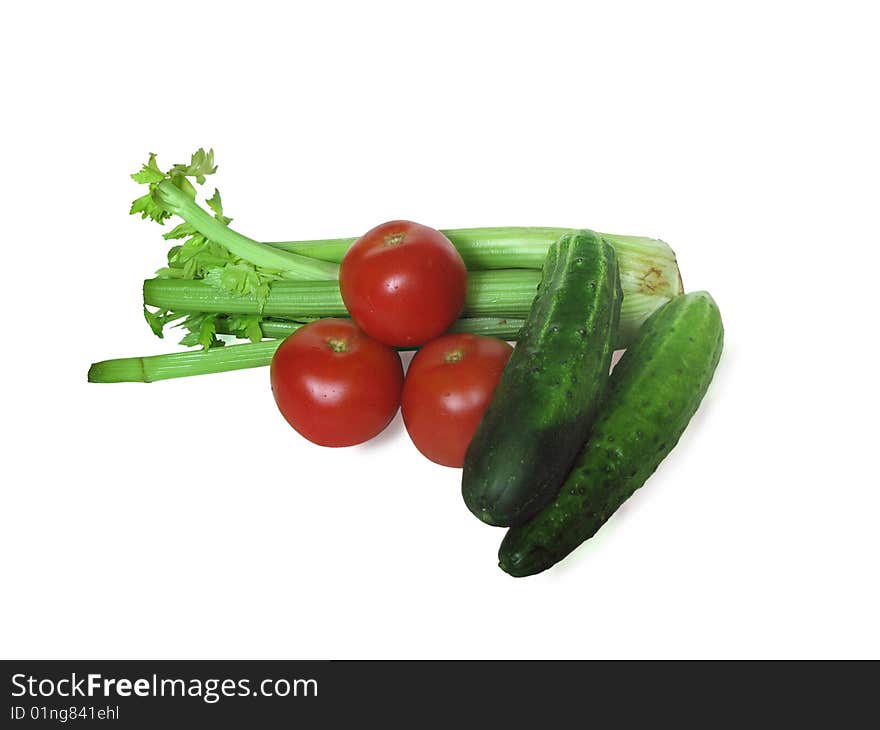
(335, 385)
(403, 283)
(448, 386)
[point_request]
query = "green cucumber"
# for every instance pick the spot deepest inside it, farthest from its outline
(654, 390)
(541, 411)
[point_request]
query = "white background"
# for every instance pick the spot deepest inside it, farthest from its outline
(185, 519)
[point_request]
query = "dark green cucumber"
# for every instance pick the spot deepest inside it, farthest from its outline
(541, 410)
(654, 390)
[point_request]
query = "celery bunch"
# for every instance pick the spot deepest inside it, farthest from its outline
(218, 284)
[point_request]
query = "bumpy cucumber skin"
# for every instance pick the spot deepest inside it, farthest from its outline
(654, 391)
(542, 408)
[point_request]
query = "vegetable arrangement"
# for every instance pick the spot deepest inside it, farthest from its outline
(550, 443)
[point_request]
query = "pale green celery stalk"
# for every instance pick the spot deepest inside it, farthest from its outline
(252, 355)
(180, 364)
(276, 329)
(503, 328)
(503, 293)
(634, 310)
(289, 265)
(481, 248)
(647, 265)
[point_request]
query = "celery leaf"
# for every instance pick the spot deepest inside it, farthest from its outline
(150, 172)
(195, 256)
(215, 204)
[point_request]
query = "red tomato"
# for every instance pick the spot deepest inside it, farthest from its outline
(403, 283)
(448, 386)
(335, 385)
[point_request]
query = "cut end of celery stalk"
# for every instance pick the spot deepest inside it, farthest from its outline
(122, 370)
(648, 266)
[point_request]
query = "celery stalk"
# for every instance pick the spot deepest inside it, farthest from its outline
(504, 328)
(180, 364)
(647, 265)
(288, 264)
(505, 293)
(501, 293)
(251, 355)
